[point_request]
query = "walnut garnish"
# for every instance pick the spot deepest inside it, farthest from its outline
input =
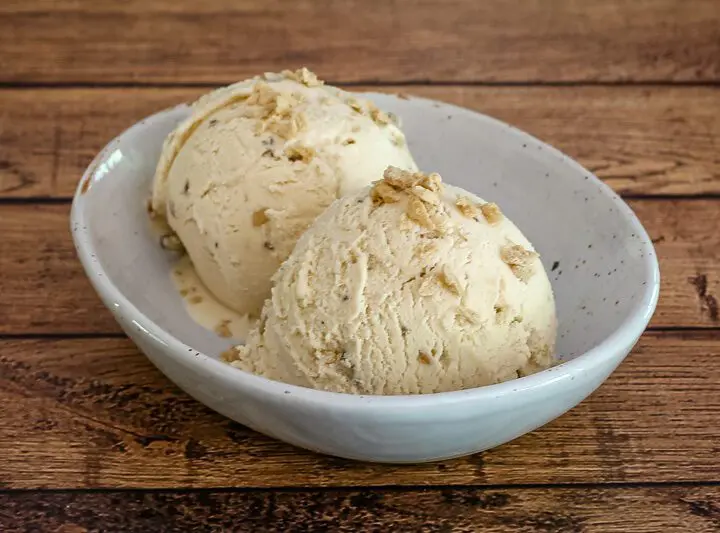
(402, 179)
(468, 208)
(424, 358)
(382, 193)
(492, 213)
(277, 110)
(417, 212)
(229, 355)
(379, 117)
(287, 128)
(300, 153)
(196, 299)
(223, 328)
(432, 182)
(519, 260)
(355, 104)
(304, 76)
(263, 95)
(425, 195)
(259, 217)
(448, 281)
(423, 205)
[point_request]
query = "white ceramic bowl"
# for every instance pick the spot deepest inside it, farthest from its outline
(601, 262)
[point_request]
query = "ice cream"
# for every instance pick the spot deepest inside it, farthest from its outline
(242, 178)
(405, 287)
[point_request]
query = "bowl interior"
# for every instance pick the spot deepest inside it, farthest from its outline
(597, 254)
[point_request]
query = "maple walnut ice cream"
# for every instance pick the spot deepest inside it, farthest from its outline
(407, 286)
(255, 163)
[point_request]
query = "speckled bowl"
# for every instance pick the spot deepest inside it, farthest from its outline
(601, 262)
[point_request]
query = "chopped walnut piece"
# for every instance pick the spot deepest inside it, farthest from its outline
(492, 213)
(263, 95)
(304, 76)
(425, 195)
(229, 355)
(424, 358)
(223, 329)
(519, 260)
(448, 281)
(378, 116)
(401, 179)
(515, 254)
(277, 110)
(300, 153)
(468, 208)
(355, 104)
(417, 212)
(195, 299)
(259, 217)
(382, 193)
(432, 182)
(287, 128)
(283, 104)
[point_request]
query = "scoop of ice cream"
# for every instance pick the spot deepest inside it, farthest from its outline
(406, 287)
(242, 178)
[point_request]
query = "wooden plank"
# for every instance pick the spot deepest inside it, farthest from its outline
(640, 140)
(95, 413)
(45, 290)
(560, 510)
(218, 41)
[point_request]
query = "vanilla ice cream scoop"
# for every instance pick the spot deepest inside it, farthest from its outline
(242, 178)
(406, 287)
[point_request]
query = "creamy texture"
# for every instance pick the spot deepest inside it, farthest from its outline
(204, 308)
(406, 287)
(242, 178)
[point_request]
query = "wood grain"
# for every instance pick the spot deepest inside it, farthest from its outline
(95, 413)
(567, 510)
(640, 140)
(45, 291)
(219, 41)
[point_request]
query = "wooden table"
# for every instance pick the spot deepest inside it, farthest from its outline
(94, 438)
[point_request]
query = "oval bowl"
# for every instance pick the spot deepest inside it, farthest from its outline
(600, 259)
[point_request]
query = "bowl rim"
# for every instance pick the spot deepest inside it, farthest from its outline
(623, 336)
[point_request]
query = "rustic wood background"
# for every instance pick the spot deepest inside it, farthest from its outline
(93, 438)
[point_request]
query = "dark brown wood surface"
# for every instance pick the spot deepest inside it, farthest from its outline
(220, 41)
(532, 510)
(94, 438)
(640, 140)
